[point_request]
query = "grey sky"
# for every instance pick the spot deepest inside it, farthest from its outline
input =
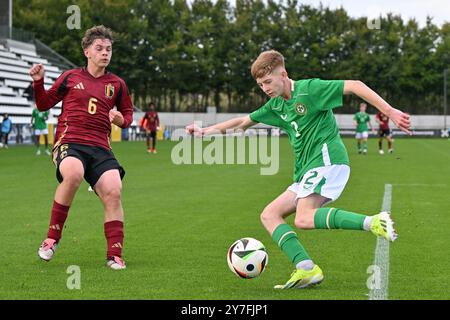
(418, 9)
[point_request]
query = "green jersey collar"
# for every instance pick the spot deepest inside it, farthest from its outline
(292, 86)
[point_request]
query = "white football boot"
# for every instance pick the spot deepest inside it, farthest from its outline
(47, 249)
(115, 263)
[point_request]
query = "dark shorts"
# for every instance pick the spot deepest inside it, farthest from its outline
(95, 160)
(384, 133)
(150, 134)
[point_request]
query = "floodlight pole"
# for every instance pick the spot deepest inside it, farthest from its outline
(445, 99)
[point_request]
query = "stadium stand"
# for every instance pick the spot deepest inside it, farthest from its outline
(15, 60)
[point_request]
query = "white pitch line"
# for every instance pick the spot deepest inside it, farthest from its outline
(419, 185)
(381, 263)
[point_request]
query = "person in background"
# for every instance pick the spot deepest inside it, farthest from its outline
(150, 126)
(362, 121)
(38, 122)
(384, 132)
(5, 131)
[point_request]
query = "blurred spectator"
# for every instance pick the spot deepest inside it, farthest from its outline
(166, 134)
(125, 134)
(19, 137)
(29, 92)
(6, 129)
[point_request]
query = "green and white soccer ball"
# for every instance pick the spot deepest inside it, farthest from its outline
(247, 258)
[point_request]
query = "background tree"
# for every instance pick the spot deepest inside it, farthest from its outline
(188, 55)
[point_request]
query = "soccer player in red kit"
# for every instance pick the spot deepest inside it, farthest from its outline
(81, 149)
(384, 132)
(151, 125)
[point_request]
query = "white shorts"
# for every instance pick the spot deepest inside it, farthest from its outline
(38, 132)
(362, 135)
(328, 181)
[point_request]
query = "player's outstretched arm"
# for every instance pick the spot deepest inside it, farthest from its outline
(240, 123)
(400, 119)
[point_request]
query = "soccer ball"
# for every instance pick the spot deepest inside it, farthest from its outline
(247, 258)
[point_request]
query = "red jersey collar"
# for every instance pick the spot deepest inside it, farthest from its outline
(107, 73)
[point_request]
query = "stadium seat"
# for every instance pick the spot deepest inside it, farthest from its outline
(15, 63)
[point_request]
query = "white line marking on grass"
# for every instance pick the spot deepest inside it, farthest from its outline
(419, 185)
(381, 263)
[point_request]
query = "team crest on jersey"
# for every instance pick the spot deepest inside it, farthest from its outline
(300, 109)
(109, 90)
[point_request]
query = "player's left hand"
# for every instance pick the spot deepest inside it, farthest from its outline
(116, 117)
(401, 120)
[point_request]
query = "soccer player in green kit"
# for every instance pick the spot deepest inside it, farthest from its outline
(38, 122)
(361, 120)
(303, 109)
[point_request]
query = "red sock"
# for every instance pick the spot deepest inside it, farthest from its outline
(114, 238)
(57, 219)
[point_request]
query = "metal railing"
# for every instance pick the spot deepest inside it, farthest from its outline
(16, 34)
(52, 56)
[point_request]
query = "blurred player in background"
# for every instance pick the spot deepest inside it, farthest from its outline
(303, 109)
(82, 148)
(362, 122)
(150, 125)
(384, 132)
(38, 122)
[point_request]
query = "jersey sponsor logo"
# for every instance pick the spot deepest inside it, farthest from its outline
(79, 86)
(109, 91)
(300, 109)
(277, 108)
(283, 116)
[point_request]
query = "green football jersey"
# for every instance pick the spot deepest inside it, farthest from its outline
(39, 119)
(308, 120)
(361, 119)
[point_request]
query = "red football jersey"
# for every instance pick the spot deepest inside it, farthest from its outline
(384, 125)
(86, 102)
(151, 120)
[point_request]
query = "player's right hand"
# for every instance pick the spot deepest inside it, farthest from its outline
(195, 130)
(37, 72)
(402, 120)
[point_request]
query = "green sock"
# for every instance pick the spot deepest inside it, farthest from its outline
(286, 238)
(359, 145)
(365, 145)
(332, 218)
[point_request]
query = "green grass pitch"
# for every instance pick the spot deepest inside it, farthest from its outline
(181, 219)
